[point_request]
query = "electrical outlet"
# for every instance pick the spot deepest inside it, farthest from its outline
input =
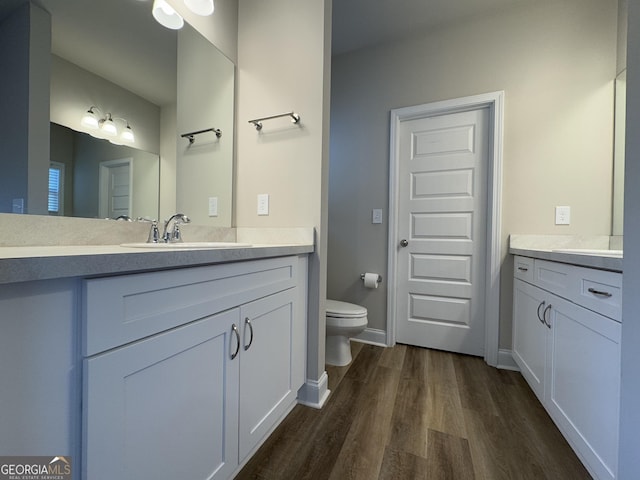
(563, 215)
(213, 206)
(263, 204)
(376, 215)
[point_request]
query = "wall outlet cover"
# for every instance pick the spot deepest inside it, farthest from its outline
(263, 204)
(563, 215)
(213, 206)
(376, 215)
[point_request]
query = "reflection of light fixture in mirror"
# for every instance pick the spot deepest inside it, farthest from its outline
(200, 7)
(166, 16)
(90, 119)
(127, 134)
(108, 126)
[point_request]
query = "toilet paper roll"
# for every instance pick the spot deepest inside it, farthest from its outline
(371, 280)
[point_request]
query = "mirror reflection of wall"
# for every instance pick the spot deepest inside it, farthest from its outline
(618, 152)
(88, 170)
(115, 56)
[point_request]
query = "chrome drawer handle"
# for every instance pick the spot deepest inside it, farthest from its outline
(599, 292)
(235, 330)
(523, 269)
(247, 322)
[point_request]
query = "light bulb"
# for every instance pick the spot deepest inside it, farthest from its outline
(127, 134)
(166, 16)
(90, 119)
(108, 126)
(200, 7)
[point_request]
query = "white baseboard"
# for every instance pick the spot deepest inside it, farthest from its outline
(314, 393)
(372, 336)
(506, 361)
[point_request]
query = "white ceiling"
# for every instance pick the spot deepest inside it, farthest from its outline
(131, 49)
(362, 23)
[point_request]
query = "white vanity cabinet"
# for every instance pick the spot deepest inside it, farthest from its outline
(566, 341)
(187, 371)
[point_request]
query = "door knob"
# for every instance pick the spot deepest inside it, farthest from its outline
(404, 242)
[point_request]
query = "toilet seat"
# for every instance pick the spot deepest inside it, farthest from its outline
(337, 309)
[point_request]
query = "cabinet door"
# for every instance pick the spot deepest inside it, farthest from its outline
(530, 334)
(584, 383)
(267, 388)
(164, 407)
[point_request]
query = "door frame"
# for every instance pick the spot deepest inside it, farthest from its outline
(494, 101)
(104, 168)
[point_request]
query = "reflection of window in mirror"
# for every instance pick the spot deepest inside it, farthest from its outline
(55, 200)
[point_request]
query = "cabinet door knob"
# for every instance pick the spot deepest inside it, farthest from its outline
(404, 242)
(247, 322)
(235, 330)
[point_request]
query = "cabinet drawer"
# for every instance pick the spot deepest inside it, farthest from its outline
(523, 268)
(600, 291)
(597, 290)
(122, 309)
(554, 277)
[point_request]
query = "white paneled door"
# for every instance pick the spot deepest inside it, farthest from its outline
(442, 227)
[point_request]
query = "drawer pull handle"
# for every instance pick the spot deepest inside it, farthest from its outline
(544, 316)
(235, 330)
(247, 322)
(523, 269)
(599, 292)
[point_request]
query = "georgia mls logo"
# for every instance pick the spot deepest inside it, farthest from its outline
(35, 468)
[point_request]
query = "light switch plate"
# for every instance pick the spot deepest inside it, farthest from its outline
(213, 206)
(563, 215)
(263, 204)
(376, 215)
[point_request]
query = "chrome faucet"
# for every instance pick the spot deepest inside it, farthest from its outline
(175, 235)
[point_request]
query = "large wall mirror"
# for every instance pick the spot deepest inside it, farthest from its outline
(113, 56)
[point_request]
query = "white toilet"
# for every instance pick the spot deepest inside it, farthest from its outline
(344, 320)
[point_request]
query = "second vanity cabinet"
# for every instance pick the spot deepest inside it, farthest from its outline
(187, 371)
(566, 341)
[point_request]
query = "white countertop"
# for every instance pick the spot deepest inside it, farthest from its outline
(21, 264)
(545, 247)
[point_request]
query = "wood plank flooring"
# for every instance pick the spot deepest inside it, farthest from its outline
(411, 413)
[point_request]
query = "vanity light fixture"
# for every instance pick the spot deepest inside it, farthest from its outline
(90, 119)
(127, 134)
(166, 16)
(200, 7)
(107, 125)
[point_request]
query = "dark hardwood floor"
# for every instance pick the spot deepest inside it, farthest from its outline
(412, 413)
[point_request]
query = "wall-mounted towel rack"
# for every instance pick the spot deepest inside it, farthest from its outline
(295, 118)
(192, 135)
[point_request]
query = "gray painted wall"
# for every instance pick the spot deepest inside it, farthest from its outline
(25, 39)
(556, 62)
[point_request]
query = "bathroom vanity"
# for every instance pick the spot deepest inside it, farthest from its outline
(566, 341)
(150, 364)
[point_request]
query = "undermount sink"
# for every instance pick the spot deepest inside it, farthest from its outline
(590, 251)
(186, 245)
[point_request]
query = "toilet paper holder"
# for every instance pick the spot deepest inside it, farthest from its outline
(379, 277)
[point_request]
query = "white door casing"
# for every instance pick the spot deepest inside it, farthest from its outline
(115, 185)
(442, 216)
(493, 102)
